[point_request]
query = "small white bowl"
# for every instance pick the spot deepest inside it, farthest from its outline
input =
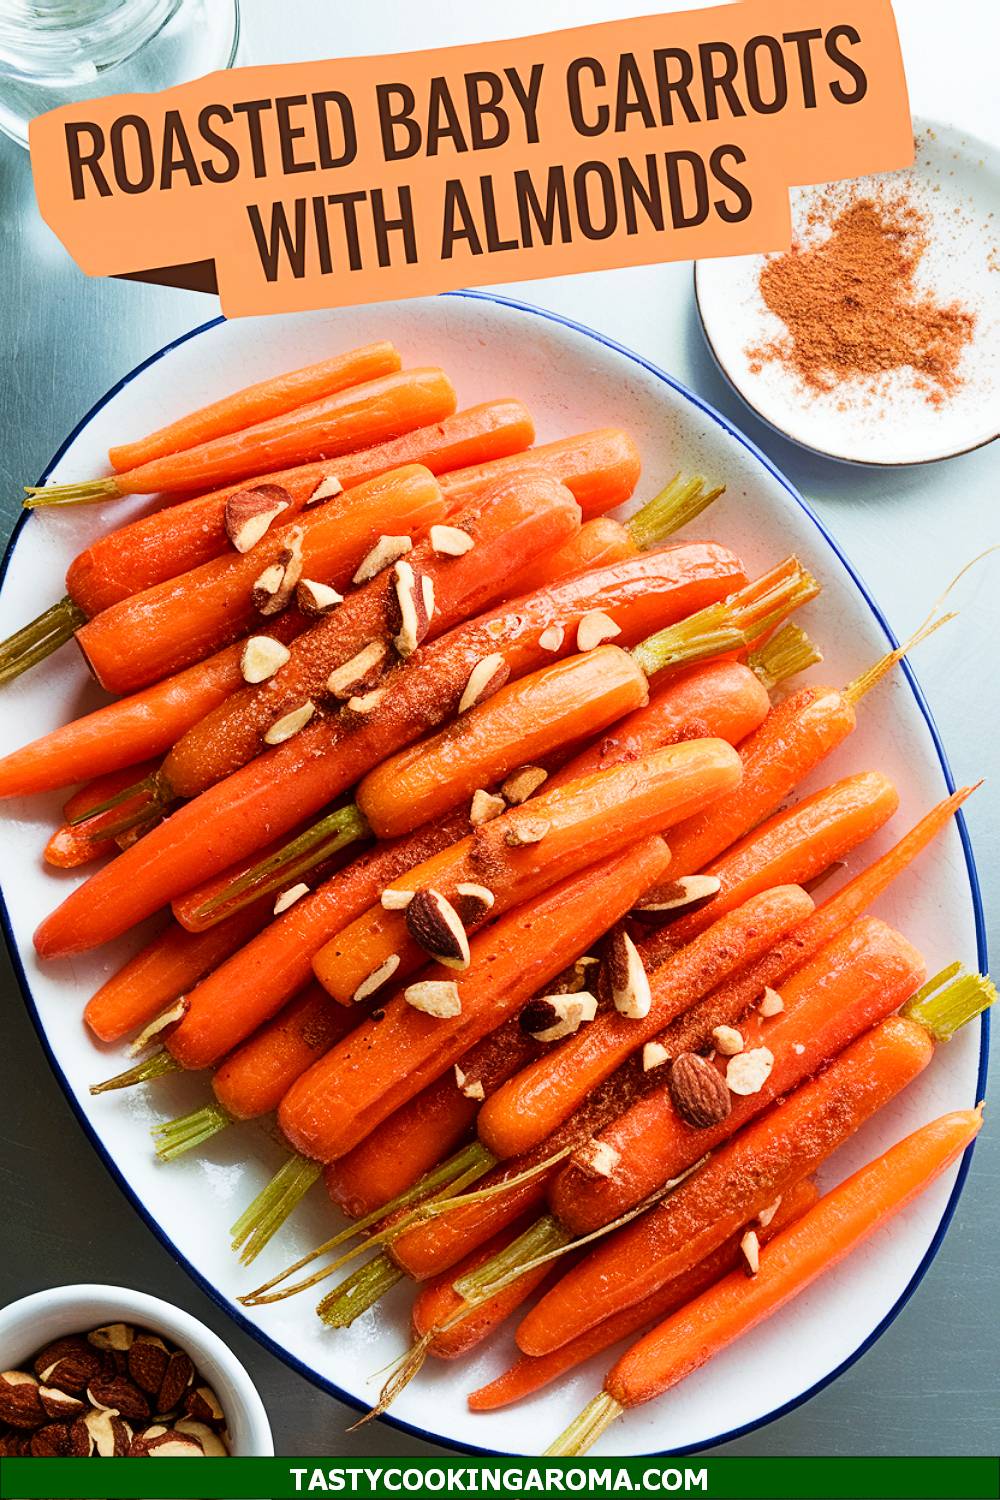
(29, 1324)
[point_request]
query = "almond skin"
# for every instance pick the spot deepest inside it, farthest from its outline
(699, 1093)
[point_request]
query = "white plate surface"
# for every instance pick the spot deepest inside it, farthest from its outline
(572, 380)
(955, 183)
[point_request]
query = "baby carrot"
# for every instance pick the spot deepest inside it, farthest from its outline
(363, 1079)
(233, 733)
(793, 846)
(522, 723)
(164, 970)
(841, 1221)
(530, 1374)
(530, 1106)
(335, 424)
(738, 1181)
(191, 532)
(254, 983)
(855, 981)
(252, 1080)
(256, 403)
(430, 1126)
(596, 814)
(278, 790)
(81, 838)
(133, 729)
(600, 468)
(180, 621)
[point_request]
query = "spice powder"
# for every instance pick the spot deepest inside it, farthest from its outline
(850, 305)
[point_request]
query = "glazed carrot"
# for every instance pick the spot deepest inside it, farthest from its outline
(233, 734)
(164, 970)
(596, 814)
(180, 621)
(78, 841)
(720, 699)
(530, 1106)
(133, 729)
(253, 1079)
(362, 414)
(738, 1181)
(793, 846)
(857, 980)
(185, 535)
(528, 1375)
(278, 790)
(444, 1321)
(841, 1221)
(250, 987)
(256, 403)
(363, 1079)
(522, 723)
(601, 468)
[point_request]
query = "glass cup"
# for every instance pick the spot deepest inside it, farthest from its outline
(55, 52)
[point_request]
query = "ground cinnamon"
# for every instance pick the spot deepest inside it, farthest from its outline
(850, 304)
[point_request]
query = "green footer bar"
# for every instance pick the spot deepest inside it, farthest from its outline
(716, 1478)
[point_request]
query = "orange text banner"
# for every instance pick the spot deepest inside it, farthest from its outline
(363, 179)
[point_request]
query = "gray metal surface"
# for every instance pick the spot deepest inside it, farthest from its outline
(929, 1385)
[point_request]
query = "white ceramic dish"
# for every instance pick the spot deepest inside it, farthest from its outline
(32, 1322)
(955, 183)
(572, 379)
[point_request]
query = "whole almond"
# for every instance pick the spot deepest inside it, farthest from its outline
(148, 1359)
(699, 1093)
(20, 1403)
(118, 1393)
(180, 1374)
(51, 1441)
(68, 1364)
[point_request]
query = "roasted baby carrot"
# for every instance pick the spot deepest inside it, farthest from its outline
(164, 970)
(256, 403)
(180, 621)
(596, 814)
(185, 535)
(530, 1106)
(793, 846)
(278, 790)
(133, 729)
(858, 979)
(351, 418)
(385, 1063)
(81, 838)
(530, 1374)
(522, 723)
(841, 1221)
(600, 468)
(250, 987)
(233, 733)
(738, 1181)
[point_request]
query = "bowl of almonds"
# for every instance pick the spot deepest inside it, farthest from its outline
(104, 1372)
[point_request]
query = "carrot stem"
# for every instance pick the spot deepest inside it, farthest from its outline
(452, 1172)
(732, 624)
(948, 1001)
(135, 789)
(675, 506)
(82, 492)
(483, 1195)
(260, 1222)
(37, 640)
(174, 1137)
(584, 1430)
(319, 843)
(369, 1283)
(786, 654)
(872, 676)
(158, 1066)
